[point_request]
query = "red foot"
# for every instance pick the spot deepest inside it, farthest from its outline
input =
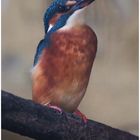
(55, 107)
(81, 115)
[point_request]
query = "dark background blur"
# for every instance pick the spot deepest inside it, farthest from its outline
(112, 94)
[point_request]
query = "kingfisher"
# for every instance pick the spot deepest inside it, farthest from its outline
(64, 57)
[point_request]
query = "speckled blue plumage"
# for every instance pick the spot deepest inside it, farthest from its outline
(55, 7)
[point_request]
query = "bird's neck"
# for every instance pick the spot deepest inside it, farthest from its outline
(77, 18)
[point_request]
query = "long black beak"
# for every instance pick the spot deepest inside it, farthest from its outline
(81, 4)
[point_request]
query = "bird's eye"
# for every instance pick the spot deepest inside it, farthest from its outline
(63, 9)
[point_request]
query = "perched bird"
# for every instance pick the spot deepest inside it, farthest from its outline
(64, 58)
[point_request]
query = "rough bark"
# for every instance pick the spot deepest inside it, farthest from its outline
(42, 123)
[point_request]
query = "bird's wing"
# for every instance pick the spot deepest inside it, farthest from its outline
(39, 49)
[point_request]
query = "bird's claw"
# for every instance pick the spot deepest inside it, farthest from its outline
(81, 115)
(55, 108)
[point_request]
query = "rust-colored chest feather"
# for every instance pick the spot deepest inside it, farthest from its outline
(62, 73)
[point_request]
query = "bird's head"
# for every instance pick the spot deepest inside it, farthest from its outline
(66, 6)
(61, 7)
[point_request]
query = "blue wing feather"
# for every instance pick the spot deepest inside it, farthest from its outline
(39, 49)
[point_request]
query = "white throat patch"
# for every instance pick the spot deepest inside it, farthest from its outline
(75, 19)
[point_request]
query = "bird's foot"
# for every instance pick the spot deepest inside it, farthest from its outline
(55, 108)
(81, 115)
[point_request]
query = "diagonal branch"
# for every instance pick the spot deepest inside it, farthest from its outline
(42, 123)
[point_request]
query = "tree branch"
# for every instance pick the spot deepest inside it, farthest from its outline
(42, 123)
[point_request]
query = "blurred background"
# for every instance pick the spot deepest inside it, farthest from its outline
(112, 94)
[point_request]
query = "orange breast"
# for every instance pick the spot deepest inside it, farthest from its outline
(62, 73)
